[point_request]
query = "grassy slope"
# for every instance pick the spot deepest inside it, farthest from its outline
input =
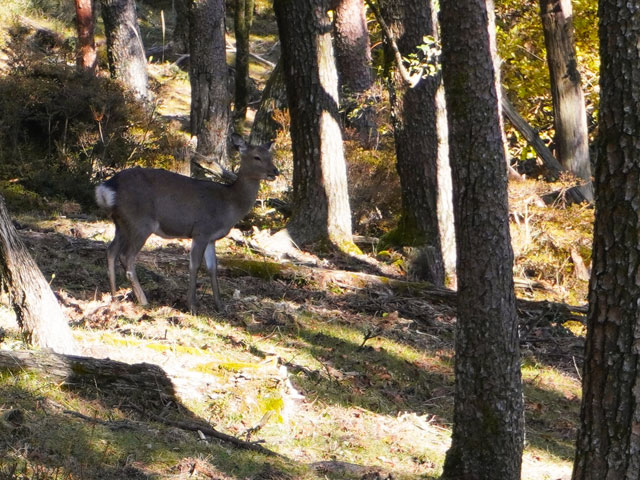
(385, 405)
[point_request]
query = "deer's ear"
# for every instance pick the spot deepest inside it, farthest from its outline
(238, 142)
(267, 146)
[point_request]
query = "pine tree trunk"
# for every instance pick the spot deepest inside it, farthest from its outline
(569, 113)
(446, 224)
(208, 73)
(415, 124)
(353, 61)
(38, 313)
(488, 431)
(608, 444)
(86, 54)
(321, 203)
(125, 51)
(274, 97)
(243, 19)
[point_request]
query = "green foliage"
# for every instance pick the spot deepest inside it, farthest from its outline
(426, 60)
(525, 74)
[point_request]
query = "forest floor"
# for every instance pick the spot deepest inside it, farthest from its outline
(341, 375)
(341, 379)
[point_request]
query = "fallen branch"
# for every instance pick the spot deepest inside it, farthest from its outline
(410, 79)
(208, 431)
(532, 138)
(112, 424)
(556, 169)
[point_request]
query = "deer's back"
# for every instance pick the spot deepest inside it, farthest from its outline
(167, 203)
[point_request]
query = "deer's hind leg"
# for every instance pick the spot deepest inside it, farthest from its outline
(114, 250)
(198, 246)
(128, 242)
(212, 266)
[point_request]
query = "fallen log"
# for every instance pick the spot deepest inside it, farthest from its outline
(141, 384)
(574, 194)
(323, 278)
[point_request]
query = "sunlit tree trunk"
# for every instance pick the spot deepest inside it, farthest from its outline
(321, 203)
(208, 73)
(488, 429)
(353, 61)
(125, 51)
(38, 313)
(85, 24)
(418, 142)
(608, 446)
(569, 113)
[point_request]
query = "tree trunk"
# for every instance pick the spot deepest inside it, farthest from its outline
(208, 74)
(274, 97)
(446, 224)
(125, 51)
(353, 56)
(569, 113)
(38, 313)
(488, 431)
(243, 19)
(181, 28)
(608, 444)
(321, 204)
(353, 61)
(417, 139)
(85, 24)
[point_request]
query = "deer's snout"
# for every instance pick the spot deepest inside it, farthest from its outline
(271, 176)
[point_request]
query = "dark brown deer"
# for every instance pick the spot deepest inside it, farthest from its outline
(143, 201)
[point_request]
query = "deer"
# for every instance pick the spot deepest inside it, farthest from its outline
(145, 201)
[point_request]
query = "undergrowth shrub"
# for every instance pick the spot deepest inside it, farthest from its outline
(61, 131)
(374, 188)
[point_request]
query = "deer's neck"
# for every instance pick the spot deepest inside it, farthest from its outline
(244, 192)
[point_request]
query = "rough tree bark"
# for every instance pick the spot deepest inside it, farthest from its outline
(38, 313)
(608, 444)
(488, 431)
(569, 113)
(353, 56)
(243, 19)
(208, 73)
(420, 145)
(274, 97)
(321, 203)
(86, 51)
(353, 61)
(125, 51)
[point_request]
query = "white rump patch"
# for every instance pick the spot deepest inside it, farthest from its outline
(105, 197)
